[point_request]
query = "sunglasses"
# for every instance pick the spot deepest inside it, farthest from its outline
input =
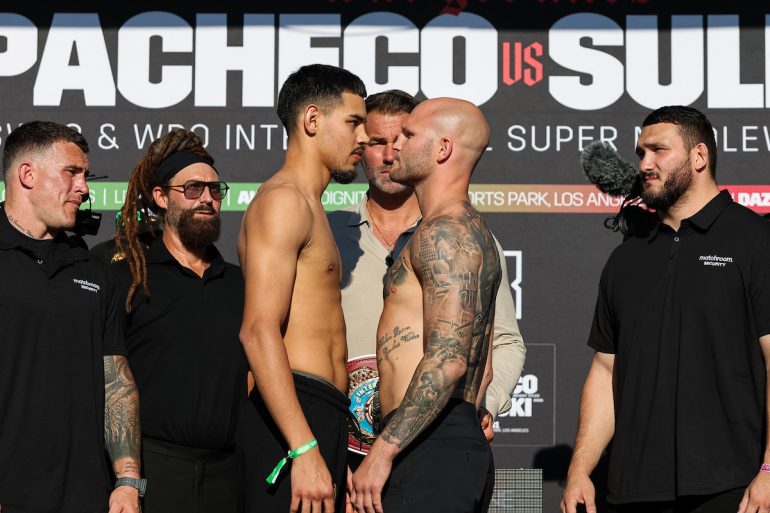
(194, 189)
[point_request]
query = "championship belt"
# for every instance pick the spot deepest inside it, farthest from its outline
(364, 403)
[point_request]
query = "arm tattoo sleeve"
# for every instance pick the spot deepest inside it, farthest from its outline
(448, 257)
(122, 433)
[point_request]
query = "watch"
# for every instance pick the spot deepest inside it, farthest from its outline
(139, 484)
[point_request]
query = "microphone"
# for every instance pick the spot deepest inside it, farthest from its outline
(87, 222)
(608, 171)
(614, 176)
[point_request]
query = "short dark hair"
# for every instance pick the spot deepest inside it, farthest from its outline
(316, 83)
(35, 136)
(392, 101)
(694, 128)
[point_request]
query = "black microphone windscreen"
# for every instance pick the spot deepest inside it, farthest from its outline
(607, 171)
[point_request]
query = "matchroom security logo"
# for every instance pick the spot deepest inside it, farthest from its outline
(715, 260)
(87, 285)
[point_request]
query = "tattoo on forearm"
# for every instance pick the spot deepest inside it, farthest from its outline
(423, 402)
(129, 466)
(110, 370)
(122, 433)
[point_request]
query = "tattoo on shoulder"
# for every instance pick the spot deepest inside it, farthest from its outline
(459, 251)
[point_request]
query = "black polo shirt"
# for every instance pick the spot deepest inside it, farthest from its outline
(683, 311)
(59, 315)
(185, 352)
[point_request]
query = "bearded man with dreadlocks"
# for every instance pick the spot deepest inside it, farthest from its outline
(184, 305)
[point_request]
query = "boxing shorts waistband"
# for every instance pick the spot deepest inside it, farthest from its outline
(185, 453)
(310, 385)
(453, 419)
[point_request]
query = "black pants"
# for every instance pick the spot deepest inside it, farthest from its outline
(261, 445)
(445, 469)
(355, 460)
(190, 480)
(722, 502)
(486, 499)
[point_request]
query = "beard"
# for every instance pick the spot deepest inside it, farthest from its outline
(414, 168)
(195, 234)
(344, 176)
(675, 186)
(381, 182)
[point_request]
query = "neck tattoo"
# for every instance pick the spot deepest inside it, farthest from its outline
(19, 227)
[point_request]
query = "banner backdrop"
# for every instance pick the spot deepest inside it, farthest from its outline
(550, 75)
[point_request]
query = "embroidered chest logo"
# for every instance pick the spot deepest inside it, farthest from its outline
(87, 285)
(715, 260)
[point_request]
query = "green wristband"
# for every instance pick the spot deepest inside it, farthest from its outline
(299, 451)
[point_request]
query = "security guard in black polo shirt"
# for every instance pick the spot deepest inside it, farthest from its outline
(682, 339)
(184, 305)
(66, 391)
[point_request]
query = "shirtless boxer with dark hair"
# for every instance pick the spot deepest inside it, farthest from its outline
(293, 330)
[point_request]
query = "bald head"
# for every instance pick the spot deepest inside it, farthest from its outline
(459, 120)
(441, 140)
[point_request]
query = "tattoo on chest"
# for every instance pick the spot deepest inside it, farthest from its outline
(394, 277)
(389, 342)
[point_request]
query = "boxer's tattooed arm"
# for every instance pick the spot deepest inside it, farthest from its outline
(449, 257)
(122, 433)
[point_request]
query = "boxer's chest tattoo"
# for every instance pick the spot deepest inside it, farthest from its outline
(394, 278)
(391, 341)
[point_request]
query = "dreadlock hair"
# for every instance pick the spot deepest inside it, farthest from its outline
(139, 199)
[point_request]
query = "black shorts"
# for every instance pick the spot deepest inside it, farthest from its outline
(261, 445)
(444, 469)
